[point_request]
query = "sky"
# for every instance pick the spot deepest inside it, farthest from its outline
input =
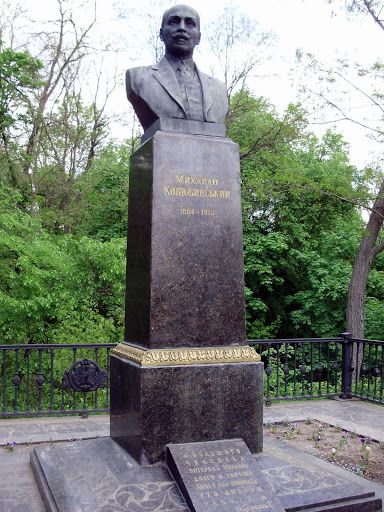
(310, 25)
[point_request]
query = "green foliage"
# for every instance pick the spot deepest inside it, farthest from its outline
(374, 305)
(102, 209)
(55, 289)
(19, 73)
(374, 318)
(301, 226)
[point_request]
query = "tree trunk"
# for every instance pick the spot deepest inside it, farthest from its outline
(361, 268)
(357, 287)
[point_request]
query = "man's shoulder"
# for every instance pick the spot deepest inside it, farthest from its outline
(143, 73)
(217, 84)
(139, 71)
(136, 77)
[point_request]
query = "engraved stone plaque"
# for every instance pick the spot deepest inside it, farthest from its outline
(220, 476)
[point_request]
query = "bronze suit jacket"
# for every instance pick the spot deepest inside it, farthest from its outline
(155, 93)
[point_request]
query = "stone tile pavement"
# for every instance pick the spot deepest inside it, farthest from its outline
(40, 430)
(18, 490)
(363, 418)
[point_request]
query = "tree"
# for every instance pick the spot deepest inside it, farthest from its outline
(238, 47)
(55, 134)
(70, 141)
(367, 84)
(101, 209)
(57, 288)
(297, 258)
(62, 47)
(372, 8)
(19, 75)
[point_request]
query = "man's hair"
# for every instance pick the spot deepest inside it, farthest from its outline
(166, 13)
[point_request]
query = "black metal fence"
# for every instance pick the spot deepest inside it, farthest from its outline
(323, 367)
(301, 368)
(37, 380)
(367, 370)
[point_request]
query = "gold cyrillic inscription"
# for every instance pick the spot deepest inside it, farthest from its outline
(195, 180)
(206, 193)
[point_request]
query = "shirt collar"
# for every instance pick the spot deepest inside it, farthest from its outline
(176, 62)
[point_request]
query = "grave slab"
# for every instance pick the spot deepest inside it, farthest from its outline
(99, 476)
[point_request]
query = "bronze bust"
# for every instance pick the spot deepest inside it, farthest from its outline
(175, 88)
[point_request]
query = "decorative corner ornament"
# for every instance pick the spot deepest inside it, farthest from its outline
(188, 355)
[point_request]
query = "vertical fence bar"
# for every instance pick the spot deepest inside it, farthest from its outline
(268, 371)
(62, 399)
(74, 353)
(3, 380)
(363, 372)
(369, 370)
(320, 371)
(107, 393)
(16, 383)
(95, 403)
(51, 378)
(311, 383)
(39, 381)
(355, 368)
(346, 375)
(328, 369)
(295, 370)
(286, 370)
(336, 367)
(382, 374)
(28, 390)
(278, 370)
(376, 372)
(303, 370)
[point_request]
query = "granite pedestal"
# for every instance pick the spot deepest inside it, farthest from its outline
(184, 372)
(185, 278)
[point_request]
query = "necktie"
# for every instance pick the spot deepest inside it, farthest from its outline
(184, 73)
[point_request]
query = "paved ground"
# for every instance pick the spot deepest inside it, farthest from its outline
(19, 493)
(363, 418)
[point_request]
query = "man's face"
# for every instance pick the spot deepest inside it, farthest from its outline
(180, 31)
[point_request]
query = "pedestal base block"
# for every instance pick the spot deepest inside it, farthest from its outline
(152, 406)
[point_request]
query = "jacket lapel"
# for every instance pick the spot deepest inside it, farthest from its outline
(208, 92)
(165, 75)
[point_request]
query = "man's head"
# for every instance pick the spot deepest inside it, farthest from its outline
(180, 30)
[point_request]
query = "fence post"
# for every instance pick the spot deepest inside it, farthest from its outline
(346, 375)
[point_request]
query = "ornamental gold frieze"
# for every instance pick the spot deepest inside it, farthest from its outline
(180, 356)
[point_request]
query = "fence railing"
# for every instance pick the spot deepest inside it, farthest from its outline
(42, 380)
(367, 369)
(37, 380)
(301, 368)
(324, 367)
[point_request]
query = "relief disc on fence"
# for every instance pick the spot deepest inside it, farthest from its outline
(84, 376)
